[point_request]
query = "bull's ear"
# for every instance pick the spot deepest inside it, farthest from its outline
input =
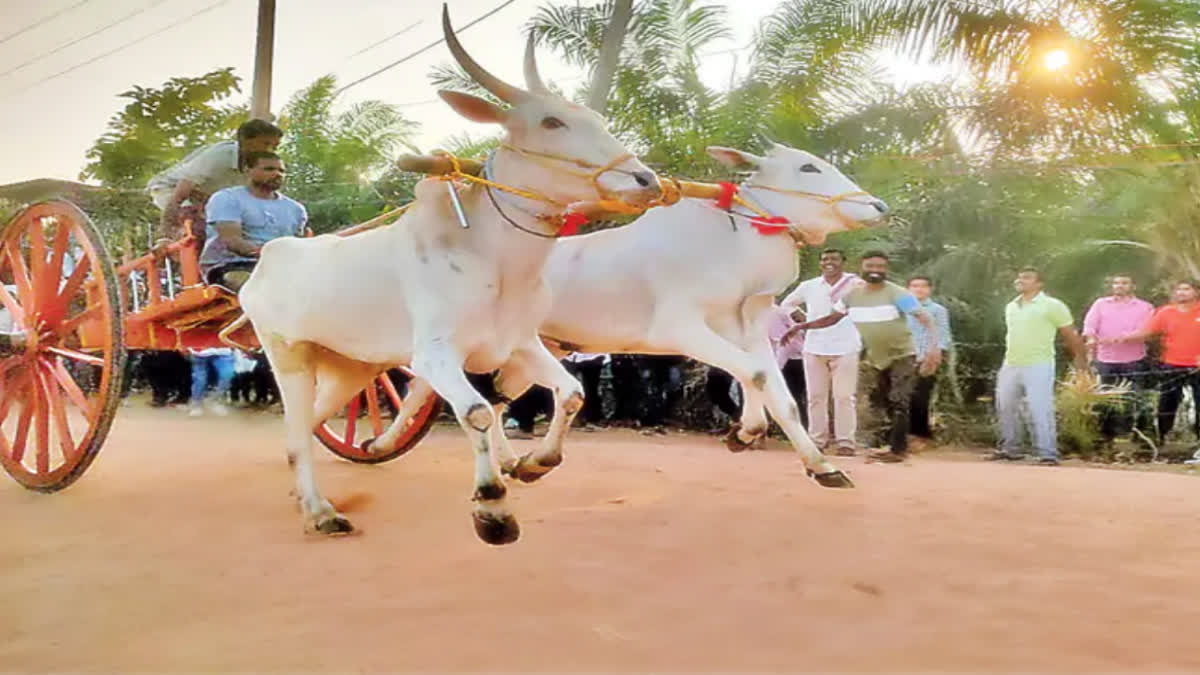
(733, 158)
(473, 108)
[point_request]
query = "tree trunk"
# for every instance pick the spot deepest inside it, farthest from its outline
(610, 52)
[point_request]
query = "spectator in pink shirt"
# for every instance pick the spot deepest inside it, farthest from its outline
(1112, 317)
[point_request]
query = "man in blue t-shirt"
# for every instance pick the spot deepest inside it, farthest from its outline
(242, 219)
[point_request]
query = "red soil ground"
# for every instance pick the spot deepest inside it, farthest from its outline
(181, 551)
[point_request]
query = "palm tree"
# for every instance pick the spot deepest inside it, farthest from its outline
(333, 157)
(657, 103)
(610, 52)
(1055, 78)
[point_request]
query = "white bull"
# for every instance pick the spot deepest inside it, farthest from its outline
(333, 312)
(695, 280)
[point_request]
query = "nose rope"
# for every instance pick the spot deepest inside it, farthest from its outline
(592, 177)
(829, 200)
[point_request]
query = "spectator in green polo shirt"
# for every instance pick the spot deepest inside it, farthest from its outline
(889, 370)
(1033, 319)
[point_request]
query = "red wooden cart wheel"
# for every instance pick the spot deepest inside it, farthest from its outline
(62, 358)
(369, 413)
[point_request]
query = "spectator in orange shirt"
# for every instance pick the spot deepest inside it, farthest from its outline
(1179, 325)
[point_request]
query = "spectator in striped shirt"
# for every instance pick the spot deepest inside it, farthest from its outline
(922, 288)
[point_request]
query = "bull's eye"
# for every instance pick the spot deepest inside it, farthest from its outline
(552, 123)
(809, 168)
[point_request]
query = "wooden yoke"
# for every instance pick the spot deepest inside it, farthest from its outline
(673, 189)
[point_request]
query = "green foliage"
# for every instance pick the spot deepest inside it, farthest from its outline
(159, 126)
(332, 158)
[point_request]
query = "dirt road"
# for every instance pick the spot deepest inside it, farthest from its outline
(181, 551)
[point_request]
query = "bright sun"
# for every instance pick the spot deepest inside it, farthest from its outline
(1057, 59)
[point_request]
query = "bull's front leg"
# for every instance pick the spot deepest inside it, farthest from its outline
(534, 362)
(759, 376)
(439, 363)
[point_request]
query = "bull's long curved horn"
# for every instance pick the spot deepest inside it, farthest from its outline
(532, 79)
(504, 92)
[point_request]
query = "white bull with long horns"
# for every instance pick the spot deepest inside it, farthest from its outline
(440, 291)
(699, 280)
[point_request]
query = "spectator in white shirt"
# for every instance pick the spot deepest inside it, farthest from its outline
(830, 355)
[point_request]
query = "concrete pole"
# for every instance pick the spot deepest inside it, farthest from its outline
(260, 102)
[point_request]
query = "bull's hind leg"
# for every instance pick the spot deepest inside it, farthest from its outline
(296, 372)
(535, 362)
(759, 376)
(442, 366)
(786, 411)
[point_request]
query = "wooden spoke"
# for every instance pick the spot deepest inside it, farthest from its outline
(7, 394)
(42, 422)
(58, 408)
(352, 418)
(10, 363)
(373, 411)
(56, 301)
(20, 275)
(77, 356)
(22, 435)
(10, 303)
(343, 444)
(389, 388)
(68, 327)
(74, 282)
(37, 259)
(58, 250)
(5, 448)
(74, 393)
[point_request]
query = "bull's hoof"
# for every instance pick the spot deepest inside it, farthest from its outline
(527, 470)
(510, 468)
(831, 479)
(735, 444)
(496, 531)
(335, 526)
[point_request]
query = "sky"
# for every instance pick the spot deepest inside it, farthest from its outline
(48, 120)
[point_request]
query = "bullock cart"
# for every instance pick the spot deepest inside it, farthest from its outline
(70, 316)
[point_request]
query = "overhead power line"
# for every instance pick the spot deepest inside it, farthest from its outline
(42, 21)
(71, 43)
(422, 50)
(123, 47)
(397, 34)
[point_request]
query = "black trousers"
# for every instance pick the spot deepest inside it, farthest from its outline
(525, 408)
(718, 384)
(1117, 419)
(793, 375)
(717, 387)
(588, 374)
(645, 386)
(888, 393)
(919, 407)
(169, 375)
(1172, 380)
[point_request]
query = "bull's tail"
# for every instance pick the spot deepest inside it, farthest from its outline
(229, 330)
